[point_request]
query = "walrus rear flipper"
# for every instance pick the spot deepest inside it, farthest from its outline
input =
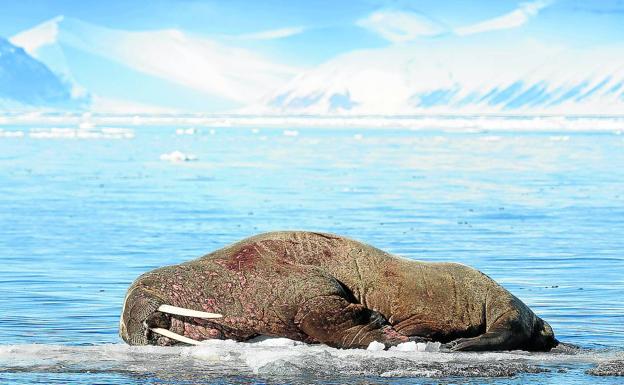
(334, 321)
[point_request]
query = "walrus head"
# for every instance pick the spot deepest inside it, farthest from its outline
(543, 338)
(146, 316)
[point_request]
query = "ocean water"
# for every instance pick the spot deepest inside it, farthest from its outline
(84, 212)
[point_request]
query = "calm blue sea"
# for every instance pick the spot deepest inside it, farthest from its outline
(80, 218)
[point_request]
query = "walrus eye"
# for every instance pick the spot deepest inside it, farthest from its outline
(175, 336)
(187, 312)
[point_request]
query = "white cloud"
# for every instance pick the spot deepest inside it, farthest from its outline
(513, 19)
(399, 26)
(273, 34)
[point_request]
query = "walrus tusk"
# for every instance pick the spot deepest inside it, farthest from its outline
(187, 312)
(175, 336)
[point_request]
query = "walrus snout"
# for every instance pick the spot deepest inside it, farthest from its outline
(139, 307)
(146, 318)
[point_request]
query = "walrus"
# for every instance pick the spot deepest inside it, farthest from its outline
(324, 288)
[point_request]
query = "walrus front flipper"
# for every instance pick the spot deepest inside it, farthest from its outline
(334, 321)
(498, 340)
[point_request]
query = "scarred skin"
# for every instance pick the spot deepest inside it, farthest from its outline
(323, 288)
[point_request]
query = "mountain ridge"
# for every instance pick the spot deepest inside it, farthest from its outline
(411, 79)
(26, 82)
(165, 70)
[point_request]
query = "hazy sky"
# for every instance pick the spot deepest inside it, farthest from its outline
(309, 32)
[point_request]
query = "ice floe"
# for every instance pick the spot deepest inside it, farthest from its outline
(177, 156)
(81, 133)
(186, 131)
(291, 133)
(463, 123)
(11, 134)
(276, 357)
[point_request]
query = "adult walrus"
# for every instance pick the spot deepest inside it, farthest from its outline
(317, 287)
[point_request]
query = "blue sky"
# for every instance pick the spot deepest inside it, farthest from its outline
(323, 28)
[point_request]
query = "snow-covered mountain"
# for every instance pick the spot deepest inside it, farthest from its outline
(26, 82)
(166, 69)
(453, 75)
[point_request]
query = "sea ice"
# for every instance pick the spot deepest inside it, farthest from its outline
(81, 133)
(11, 134)
(280, 356)
(375, 346)
(177, 156)
(186, 131)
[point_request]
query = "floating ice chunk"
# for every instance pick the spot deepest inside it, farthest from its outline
(412, 373)
(177, 156)
(291, 133)
(186, 131)
(407, 347)
(276, 342)
(562, 138)
(414, 346)
(52, 133)
(219, 343)
(86, 125)
(432, 347)
(11, 134)
(255, 130)
(117, 133)
(375, 346)
(72, 133)
(358, 136)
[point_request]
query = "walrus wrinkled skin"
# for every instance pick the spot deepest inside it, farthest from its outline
(323, 288)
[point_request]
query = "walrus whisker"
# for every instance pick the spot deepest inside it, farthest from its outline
(187, 312)
(175, 336)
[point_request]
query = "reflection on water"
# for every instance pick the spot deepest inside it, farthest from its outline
(81, 217)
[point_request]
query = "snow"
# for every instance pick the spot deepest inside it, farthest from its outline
(450, 74)
(195, 62)
(449, 77)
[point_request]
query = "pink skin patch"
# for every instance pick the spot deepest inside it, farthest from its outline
(244, 260)
(392, 334)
